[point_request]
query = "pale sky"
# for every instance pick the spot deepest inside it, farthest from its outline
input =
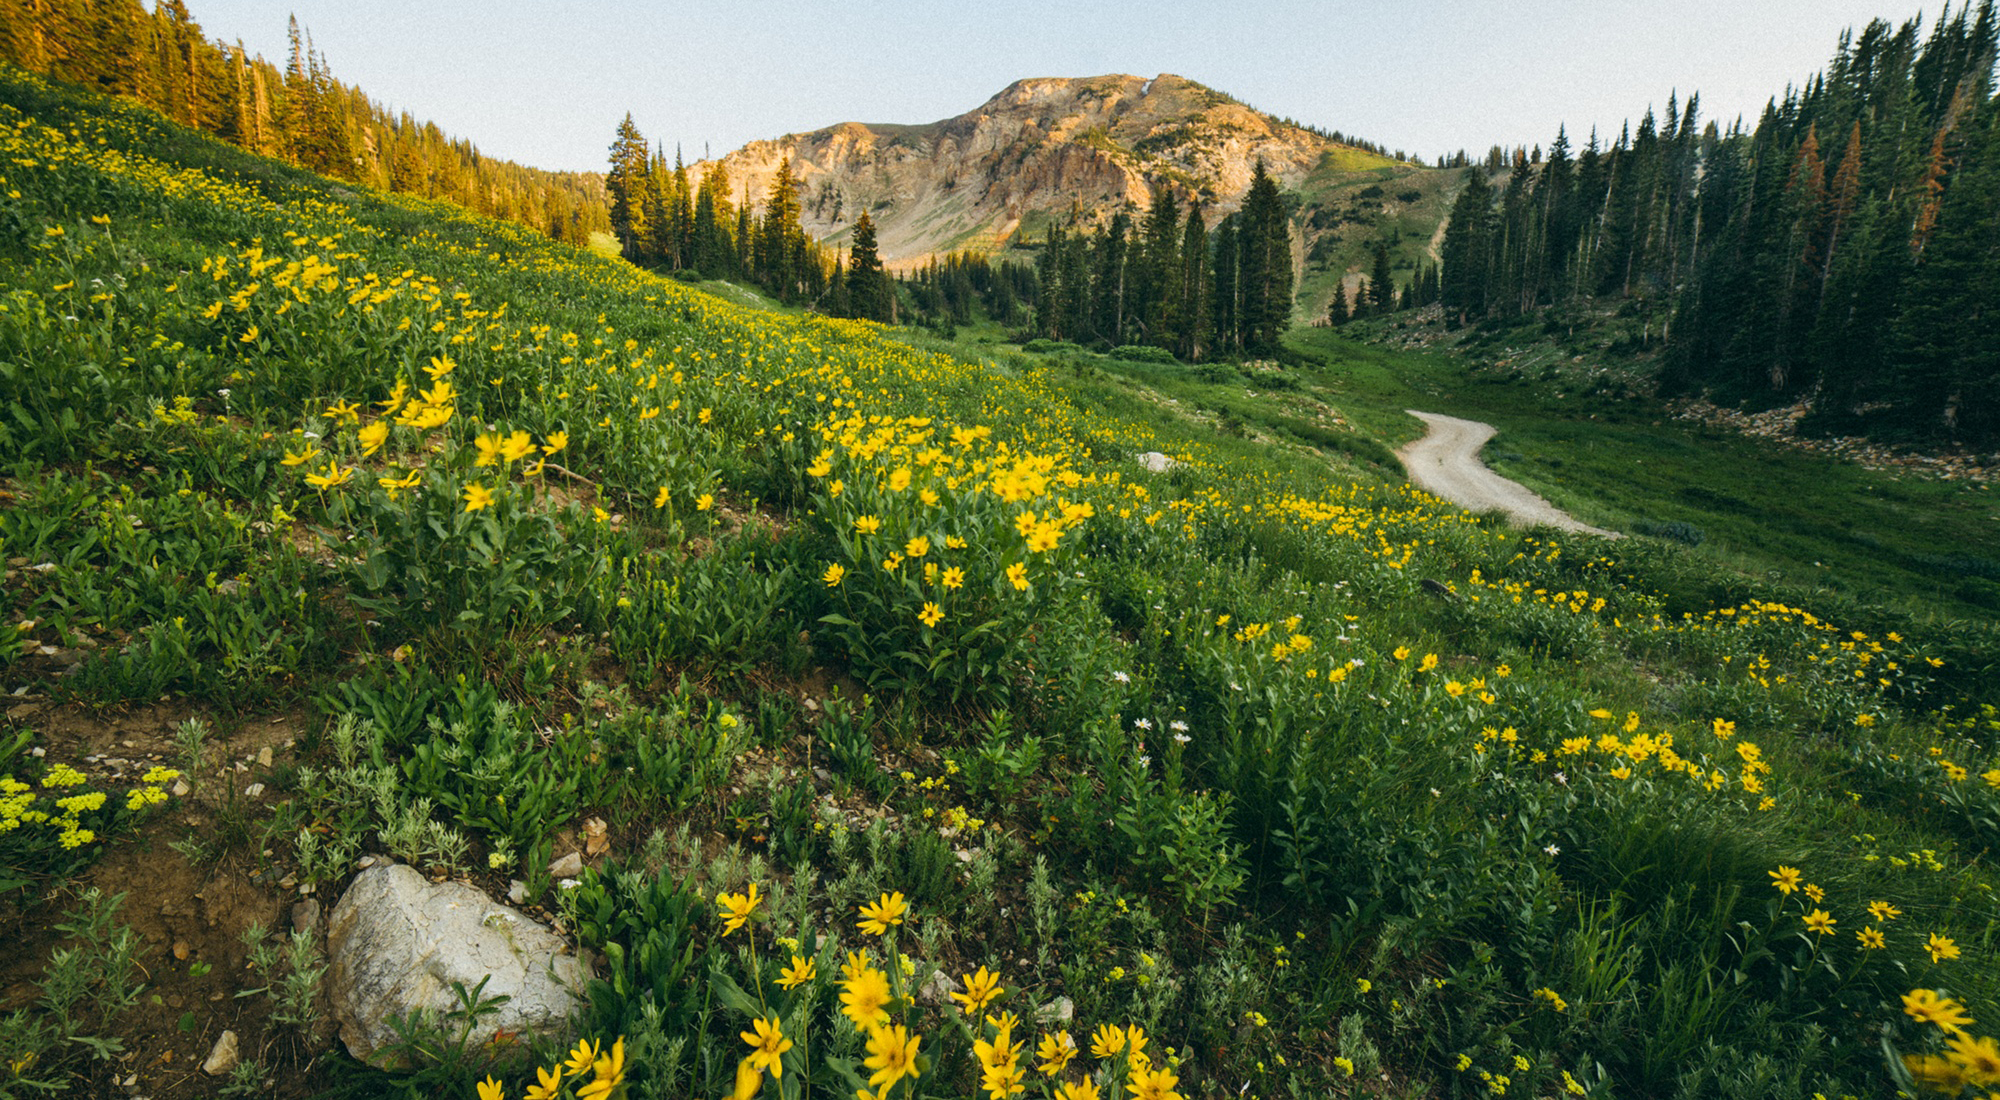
(545, 82)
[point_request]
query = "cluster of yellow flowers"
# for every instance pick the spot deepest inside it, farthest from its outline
(1968, 1060)
(1789, 881)
(18, 802)
(871, 997)
(604, 1068)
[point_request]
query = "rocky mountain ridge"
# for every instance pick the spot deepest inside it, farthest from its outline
(1029, 157)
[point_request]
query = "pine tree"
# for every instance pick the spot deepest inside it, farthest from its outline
(1462, 284)
(1048, 285)
(1223, 297)
(1382, 281)
(714, 242)
(780, 251)
(1107, 303)
(868, 287)
(1265, 268)
(625, 184)
(1947, 333)
(1191, 324)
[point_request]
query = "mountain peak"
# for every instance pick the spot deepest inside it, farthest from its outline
(1037, 153)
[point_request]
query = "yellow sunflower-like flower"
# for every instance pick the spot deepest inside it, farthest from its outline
(887, 910)
(1055, 1052)
(581, 1057)
(767, 1047)
(799, 973)
(735, 909)
(1978, 1059)
(608, 1071)
(1154, 1084)
(864, 995)
(981, 987)
(547, 1086)
(892, 1055)
(1926, 1006)
(332, 477)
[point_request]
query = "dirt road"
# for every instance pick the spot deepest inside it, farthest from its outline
(1446, 463)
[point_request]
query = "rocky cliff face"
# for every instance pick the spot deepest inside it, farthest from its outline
(1025, 159)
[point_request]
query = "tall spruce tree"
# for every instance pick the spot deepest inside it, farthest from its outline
(1265, 268)
(867, 285)
(625, 184)
(1467, 238)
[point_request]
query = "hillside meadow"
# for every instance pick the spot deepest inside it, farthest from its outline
(343, 525)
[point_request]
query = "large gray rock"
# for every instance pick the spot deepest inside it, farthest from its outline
(396, 943)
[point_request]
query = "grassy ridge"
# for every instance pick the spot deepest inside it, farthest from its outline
(1317, 783)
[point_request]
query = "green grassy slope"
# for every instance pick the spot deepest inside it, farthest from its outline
(1833, 533)
(1324, 787)
(1348, 204)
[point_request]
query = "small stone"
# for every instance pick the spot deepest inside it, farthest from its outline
(938, 989)
(181, 788)
(223, 1057)
(517, 891)
(130, 744)
(306, 916)
(1059, 1011)
(288, 882)
(568, 866)
(364, 863)
(254, 790)
(264, 757)
(181, 950)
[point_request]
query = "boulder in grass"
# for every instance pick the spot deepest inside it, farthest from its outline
(396, 942)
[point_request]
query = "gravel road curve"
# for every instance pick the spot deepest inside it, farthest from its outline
(1445, 463)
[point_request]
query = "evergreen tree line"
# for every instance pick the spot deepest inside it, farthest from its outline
(299, 113)
(1377, 293)
(1171, 282)
(1846, 250)
(662, 220)
(963, 285)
